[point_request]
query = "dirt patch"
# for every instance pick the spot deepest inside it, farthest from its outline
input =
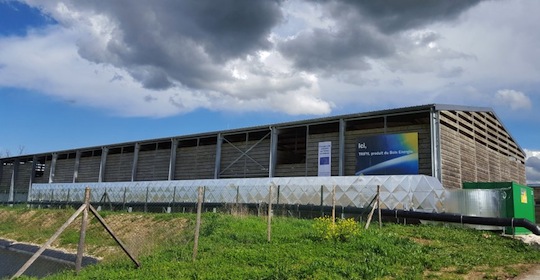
(421, 241)
(516, 271)
(532, 272)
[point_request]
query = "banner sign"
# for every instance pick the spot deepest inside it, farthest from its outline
(387, 154)
(325, 159)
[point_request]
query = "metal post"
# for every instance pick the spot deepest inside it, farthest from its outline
(334, 204)
(103, 164)
(172, 160)
(217, 164)
(14, 175)
(124, 199)
(322, 200)
(379, 204)
(146, 200)
(174, 197)
(77, 164)
(273, 152)
(269, 217)
(435, 138)
(32, 175)
(342, 128)
(306, 152)
(53, 167)
(135, 162)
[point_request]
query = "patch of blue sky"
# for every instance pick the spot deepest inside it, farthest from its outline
(16, 18)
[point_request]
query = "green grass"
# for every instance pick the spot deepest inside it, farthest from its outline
(232, 247)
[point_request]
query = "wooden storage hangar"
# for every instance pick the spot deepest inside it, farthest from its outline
(454, 144)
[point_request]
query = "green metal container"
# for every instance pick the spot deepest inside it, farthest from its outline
(519, 201)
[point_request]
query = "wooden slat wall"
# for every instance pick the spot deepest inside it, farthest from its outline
(88, 169)
(245, 167)
(5, 180)
(119, 167)
(64, 170)
(475, 147)
(22, 181)
(195, 162)
(153, 165)
(290, 170)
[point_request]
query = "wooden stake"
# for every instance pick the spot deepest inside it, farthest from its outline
(85, 207)
(197, 224)
(49, 242)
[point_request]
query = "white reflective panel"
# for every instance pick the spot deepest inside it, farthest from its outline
(409, 192)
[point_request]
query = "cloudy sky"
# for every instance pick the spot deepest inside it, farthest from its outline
(88, 73)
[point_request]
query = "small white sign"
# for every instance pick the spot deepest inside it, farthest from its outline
(325, 158)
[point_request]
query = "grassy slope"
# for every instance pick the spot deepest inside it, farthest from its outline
(236, 248)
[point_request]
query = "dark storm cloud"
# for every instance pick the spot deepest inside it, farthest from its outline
(363, 30)
(392, 16)
(343, 50)
(183, 41)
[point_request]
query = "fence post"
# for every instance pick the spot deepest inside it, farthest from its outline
(322, 200)
(269, 222)
(124, 199)
(67, 199)
(198, 223)
(334, 204)
(48, 243)
(146, 200)
(379, 204)
(173, 199)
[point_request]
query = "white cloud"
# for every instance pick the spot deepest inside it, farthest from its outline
(48, 62)
(516, 100)
(303, 57)
(532, 166)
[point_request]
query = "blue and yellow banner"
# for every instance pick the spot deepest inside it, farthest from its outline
(387, 154)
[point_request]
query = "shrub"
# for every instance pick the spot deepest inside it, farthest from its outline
(342, 230)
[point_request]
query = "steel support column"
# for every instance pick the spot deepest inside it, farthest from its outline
(435, 139)
(306, 151)
(172, 159)
(76, 167)
(103, 164)
(217, 164)
(1, 170)
(341, 166)
(53, 168)
(135, 161)
(14, 173)
(32, 175)
(273, 152)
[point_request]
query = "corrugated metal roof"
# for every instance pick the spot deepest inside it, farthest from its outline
(370, 114)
